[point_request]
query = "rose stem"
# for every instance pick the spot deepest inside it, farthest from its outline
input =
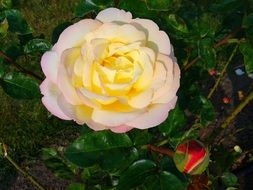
(222, 73)
(222, 42)
(20, 68)
(26, 175)
(160, 150)
(237, 110)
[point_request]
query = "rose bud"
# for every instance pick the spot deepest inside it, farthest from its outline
(226, 100)
(113, 72)
(191, 157)
(212, 72)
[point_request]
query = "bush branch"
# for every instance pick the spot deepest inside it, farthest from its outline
(160, 150)
(20, 68)
(222, 42)
(222, 73)
(237, 110)
(26, 175)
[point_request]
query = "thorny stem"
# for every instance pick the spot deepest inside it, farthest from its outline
(237, 110)
(222, 73)
(160, 150)
(27, 175)
(20, 68)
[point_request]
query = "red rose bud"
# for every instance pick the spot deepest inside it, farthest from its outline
(226, 100)
(212, 72)
(191, 157)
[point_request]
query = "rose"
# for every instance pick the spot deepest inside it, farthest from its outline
(113, 72)
(191, 157)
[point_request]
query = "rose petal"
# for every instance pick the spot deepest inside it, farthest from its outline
(121, 129)
(79, 113)
(114, 14)
(95, 126)
(155, 37)
(169, 89)
(75, 34)
(142, 99)
(154, 116)
(49, 65)
(51, 94)
(103, 99)
(126, 33)
(64, 82)
(111, 118)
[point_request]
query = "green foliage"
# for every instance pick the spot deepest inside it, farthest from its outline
(104, 160)
(229, 179)
(76, 186)
(91, 148)
(207, 53)
(58, 165)
(17, 23)
(4, 28)
(135, 174)
(87, 6)
(37, 45)
(5, 4)
(19, 86)
(247, 50)
(174, 123)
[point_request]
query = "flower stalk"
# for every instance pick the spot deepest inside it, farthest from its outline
(18, 168)
(238, 109)
(20, 68)
(222, 73)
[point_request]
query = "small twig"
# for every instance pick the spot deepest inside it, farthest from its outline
(237, 110)
(222, 73)
(160, 150)
(191, 63)
(226, 38)
(222, 42)
(20, 68)
(27, 175)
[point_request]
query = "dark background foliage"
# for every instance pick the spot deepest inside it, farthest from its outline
(213, 44)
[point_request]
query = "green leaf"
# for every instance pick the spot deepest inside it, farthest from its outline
(5, 4)
(4, 28)
(86, 6)
(3, 70)
(54, 162)
(37, 46)
(225, 6)
(177, 26)
(207, 53)
(138, 11)
(58, 30)
(161, 5)
(140, 137)
(91, 147)
(207, 25)
(118, 160)
(247, 21)
(229, 179)
(247, 51)
(76, 186)
(19, 86)
(17, 23)
(135, 174)
(207, 114)
(174, 122)
(167, 179)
